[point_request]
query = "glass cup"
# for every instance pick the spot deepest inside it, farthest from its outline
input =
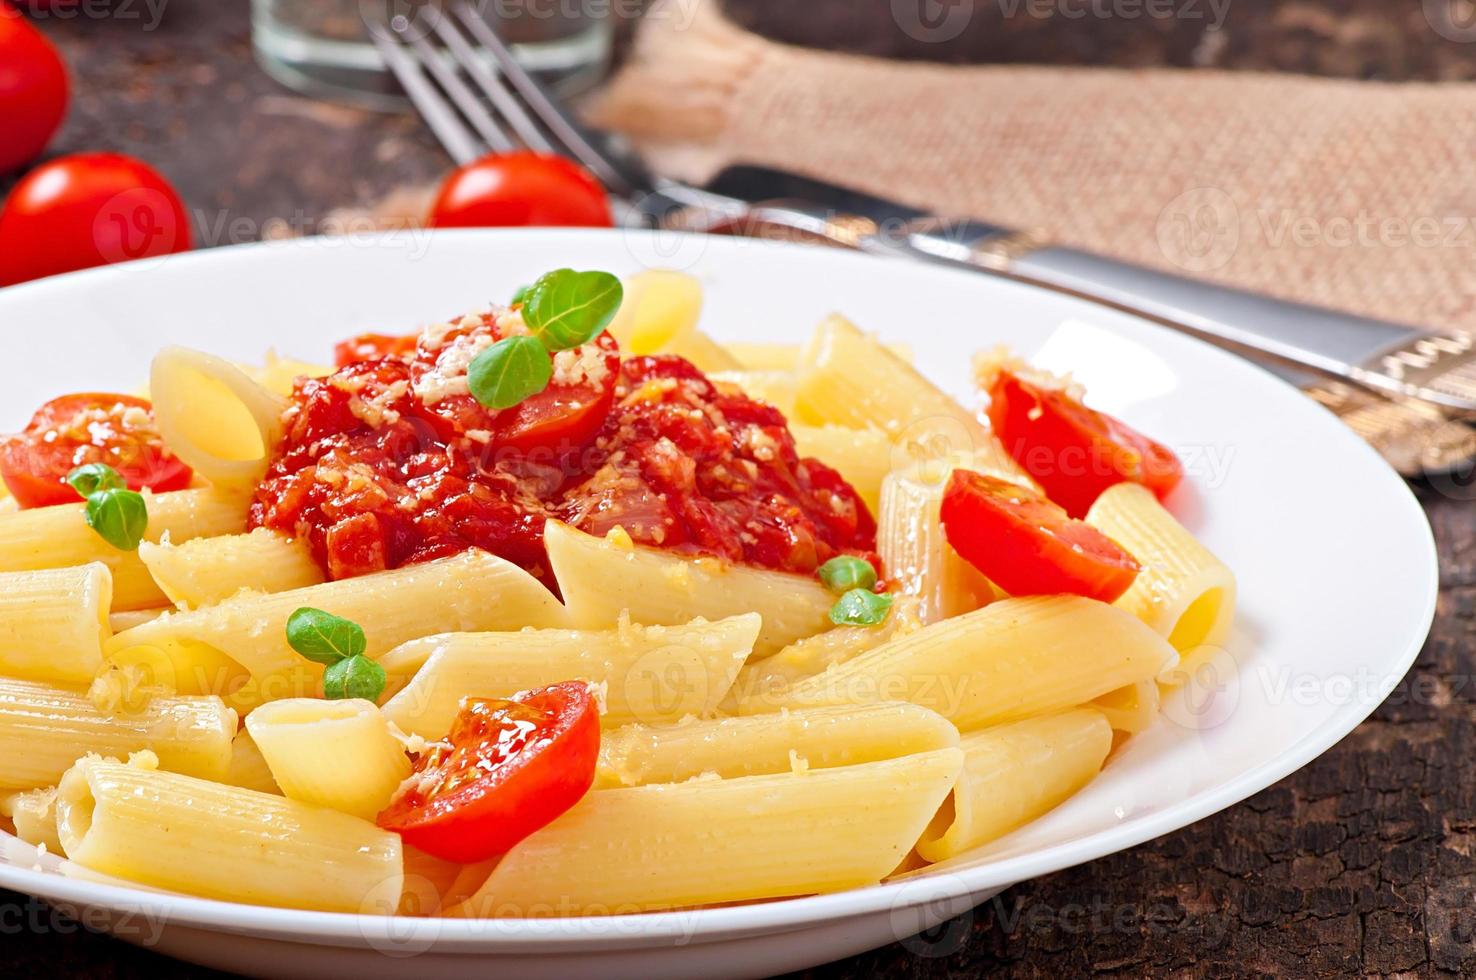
(323, 47)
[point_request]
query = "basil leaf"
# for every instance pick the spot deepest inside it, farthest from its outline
(566, 308)
(120, 517)
(521, 296)
(354, 677)
(509, 371)
(846, 572)
(88, 480)
(860, 607)
(323, 637)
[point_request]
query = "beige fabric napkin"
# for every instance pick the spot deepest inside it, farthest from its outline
(1354, 195)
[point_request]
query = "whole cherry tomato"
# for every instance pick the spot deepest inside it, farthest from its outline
(507, 769)
(33, 90)
(86, 210)
(522, 188)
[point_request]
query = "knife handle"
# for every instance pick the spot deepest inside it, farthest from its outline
(1389, 357)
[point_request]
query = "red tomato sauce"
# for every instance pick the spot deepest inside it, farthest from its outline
(391, 461)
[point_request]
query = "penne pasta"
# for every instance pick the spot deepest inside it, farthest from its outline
(335, 754)
(214, 417)
(1013, 774)
(471, 591)
(1183, 592)
(33, 814)
(248, 768)
(721, 840)
(650, 674)
(778, 388)
(170, 831)
(1130, 709)
(913, 546)
(53, 623)
(43, 730)
(659, 315)
(787, 357)
(1007, 661)
(204, 571)
(807, 740)
(862, 456)
(58, 537)
(601, 580)
(279, 374)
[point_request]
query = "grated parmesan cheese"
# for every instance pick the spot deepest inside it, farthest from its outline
(580, 365)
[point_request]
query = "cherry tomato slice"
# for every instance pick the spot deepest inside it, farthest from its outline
(521, 188)
(507, 769)
(33, 90)
(373, 347)
(86, 210)
(563, 418)
(73, 430)
(1075, 452)
(1027, 545)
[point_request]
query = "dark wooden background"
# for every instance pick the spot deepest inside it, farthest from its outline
(1362, 863)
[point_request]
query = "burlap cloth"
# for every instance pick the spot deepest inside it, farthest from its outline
(1354, 195)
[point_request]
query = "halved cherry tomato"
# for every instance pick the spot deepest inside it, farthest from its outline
(73, 430)
(87, 210)
(507, 769)
(564, 417)
(33, 90)
(1075, 452)
(521, 188)
(373, 347)
(1027, 545)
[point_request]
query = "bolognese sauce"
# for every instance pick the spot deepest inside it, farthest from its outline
(391, 461)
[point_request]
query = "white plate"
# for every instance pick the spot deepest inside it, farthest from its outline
(1335, 560)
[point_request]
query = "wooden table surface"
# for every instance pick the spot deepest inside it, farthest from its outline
(1363, 862)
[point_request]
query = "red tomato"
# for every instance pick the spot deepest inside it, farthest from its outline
(1027, 545)
(33, 90)
(373, 347)
(73, 430)
(521, 188)
(1073, 451)
(563, 418)
(86, 210)
(507, 769)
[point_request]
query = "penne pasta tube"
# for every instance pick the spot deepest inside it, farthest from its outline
(58, 537)
(1013, 774)
(778, 388)
(659, 314)
(470, 591)
(1130, 709)
(43, 730)
(1007, 661)
(853, 380)
(214, 417)
(863, 456)
(279, 374)
(1183, 592)
(203, 571)
(721, 840)
(248, 768)
(336, 754)
(176, 832)
(807, 740)
(913, 546)
(601, 580)
(787, 357)
(53, 623)
(33, 813)
(120, 621)
(651, 674)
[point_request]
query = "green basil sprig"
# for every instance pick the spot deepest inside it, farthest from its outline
(846, 572)
(860, 607)
(120, 516)
(564, 309)
(339, 645)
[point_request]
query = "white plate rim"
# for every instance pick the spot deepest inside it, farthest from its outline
(709, 925)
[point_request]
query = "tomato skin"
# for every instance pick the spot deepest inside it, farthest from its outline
(562, 419)
(86, 210)
(523, 188)
(33, 90)
(507, 769)
(1027, 545)
(1072, 451)
(34, 463)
